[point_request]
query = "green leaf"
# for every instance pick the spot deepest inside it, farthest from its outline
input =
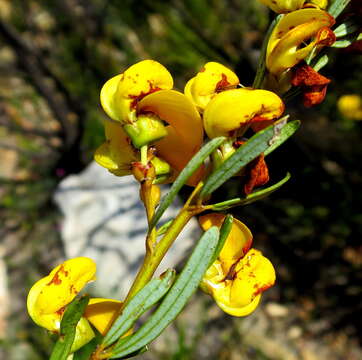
(286, 132)
(320, 62)
(85, 351)
(224, 233)
(257, 195)
(138, 305)
(348, 27)
(71, 317)
(348, 40)
(337, 6)
(265, 141)
(184, 175)
(176, 298)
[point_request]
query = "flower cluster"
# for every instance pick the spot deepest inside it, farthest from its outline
(153, 132)
(48, 298)
(240, 274)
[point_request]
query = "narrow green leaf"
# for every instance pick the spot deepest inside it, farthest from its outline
(261, 69)
(72, 315)
(136, 353)
(286, 132)
(348, 40)
(320, 62)
(184, 175)
(348, 27)
(176, 298)
(138, 305)
(224, 233)
(257, 195)
(337, 6)
(271, 137)
(85, 352)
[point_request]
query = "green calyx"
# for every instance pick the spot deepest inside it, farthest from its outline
(163, 170)
(146, 130)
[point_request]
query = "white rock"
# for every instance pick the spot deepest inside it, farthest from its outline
(105, 220)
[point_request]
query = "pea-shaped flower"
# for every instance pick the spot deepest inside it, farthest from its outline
(238, 277)
(283, 6)
(49, 296)
(209, 81)
(295, 36)
(145, 110)
(231, 111)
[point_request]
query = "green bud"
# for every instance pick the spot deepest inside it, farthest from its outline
(146, 130)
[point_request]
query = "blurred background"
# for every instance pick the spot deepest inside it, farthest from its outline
(54, 58)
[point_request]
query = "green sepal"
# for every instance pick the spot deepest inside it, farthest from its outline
(146, 130)
(161, 166)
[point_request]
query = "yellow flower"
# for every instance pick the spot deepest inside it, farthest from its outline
(141, 100)
(49, 296)
(238, 277)
(286, 44)
(283, 6)
(350, 106)
(231, 111)
(116, 154)
(210, 80)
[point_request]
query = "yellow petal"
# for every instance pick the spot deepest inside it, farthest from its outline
(120, 95)
(285, 47)
(83, 334)
(230, 110)
(239, 310)
(237, 243)
(108, 97)
(322, 4)
(63, 284)
(47, 321)
(254, 274)
(116, 154)
(283, 6)
(212, 79)
(185, 131)
(102, 313)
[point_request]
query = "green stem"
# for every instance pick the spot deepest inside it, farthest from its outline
(144, 159)
(152, 260)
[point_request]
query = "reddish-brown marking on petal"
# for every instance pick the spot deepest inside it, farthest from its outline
(202, 69)
(247, 246)
(262, 289)
(258, 174)
(139, 97)
(222, 84)
(60, 311)
(313, 84)
(56, 280)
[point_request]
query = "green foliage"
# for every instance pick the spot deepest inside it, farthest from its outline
(176, 298)
(72, 315)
